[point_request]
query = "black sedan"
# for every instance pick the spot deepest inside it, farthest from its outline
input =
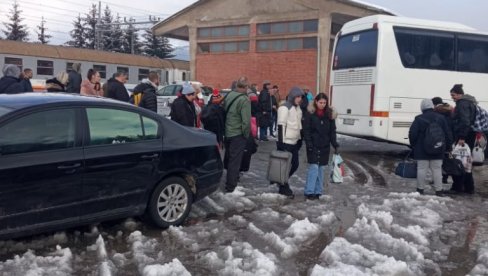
(67, 160)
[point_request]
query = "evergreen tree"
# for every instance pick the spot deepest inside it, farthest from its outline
(106, 29)
(157, 46)
(42, 37)
(89, 23)
(77, 34)
(117, 38)
(15, 30)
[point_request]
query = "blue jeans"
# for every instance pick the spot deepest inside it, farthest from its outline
(263, 133)
(315, 180)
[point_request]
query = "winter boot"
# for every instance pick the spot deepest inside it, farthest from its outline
(420, 191)
(286, 191)
(440, 193)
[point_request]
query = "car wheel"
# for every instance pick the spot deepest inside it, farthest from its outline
(170, 202)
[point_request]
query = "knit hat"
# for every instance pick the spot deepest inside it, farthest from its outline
(187, 89)
(215, 92)
(11, 70)
(458, 89)
(437, 100)
(426, 104)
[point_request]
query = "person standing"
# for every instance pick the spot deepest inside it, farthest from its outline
(265, 107)
(289, 128)
(89, 86)
(58, 83)
(116, 89)
(213, 116)
(25, 81)
(146, 91)
(237, 129)
(320, 133)
(445, 110)
(463, 118)
(274, 111)
(417, 135)
(74, 79)
(9, 83)
(183, 109)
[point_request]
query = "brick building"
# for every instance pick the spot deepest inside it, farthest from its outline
(285, 41)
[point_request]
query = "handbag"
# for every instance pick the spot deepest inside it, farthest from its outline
(452, 166)
(407, 168)
(254, 127)
(478, 153)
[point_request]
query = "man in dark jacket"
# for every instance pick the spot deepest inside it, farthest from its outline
(9, 83)
(74, 79)
(445, 110)
(183, 109)
(116, 89)
(462, 120)
(265, 108)
(146, 90)
(25, 81)
(425, 160)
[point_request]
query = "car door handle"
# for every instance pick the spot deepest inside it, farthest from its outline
(68, 167)
(152, 156)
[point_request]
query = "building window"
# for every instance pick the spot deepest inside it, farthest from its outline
(123, 69)
(224, 47)
(286, 44)
(15, 61)
(143, 74)
(101, 69)
(69, 66)
(228, 31)
(45, 67)
(307, 26)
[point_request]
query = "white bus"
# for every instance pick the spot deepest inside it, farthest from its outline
(383, 66)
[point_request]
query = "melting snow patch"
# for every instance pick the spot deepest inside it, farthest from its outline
(175, 268)
(58, 263)
(242, 259)
(481, 267)
(141, 245)
(344, 258)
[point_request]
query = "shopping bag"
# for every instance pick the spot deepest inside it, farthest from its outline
(337, 174)
(407, 168)
(478, 153)
(463, 153)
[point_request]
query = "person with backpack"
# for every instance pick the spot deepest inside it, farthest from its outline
(145, 92)
(463, 118)
(445, 110)
(213, 116)
(430, 138)
(237, 129)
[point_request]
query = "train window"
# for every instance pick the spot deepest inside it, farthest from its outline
(123, 69)
(12, 60)
(102, 69)
(45, 67)
(143, 73)
(69, 66)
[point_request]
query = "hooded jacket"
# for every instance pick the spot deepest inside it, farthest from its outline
(10, 85)
(320, 133)
(463, 116)
(290, 119)
(183, 112)
(416, 134)
(148, 99)
(116, 90)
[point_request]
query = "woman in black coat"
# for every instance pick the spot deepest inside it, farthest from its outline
(320, 133)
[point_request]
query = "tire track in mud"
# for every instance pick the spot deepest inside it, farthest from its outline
(365, 174)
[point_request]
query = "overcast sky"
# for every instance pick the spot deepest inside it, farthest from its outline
(59, 14)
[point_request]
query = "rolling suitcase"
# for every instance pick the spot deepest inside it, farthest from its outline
(279, 166)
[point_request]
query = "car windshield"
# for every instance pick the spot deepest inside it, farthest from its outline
(4, 110)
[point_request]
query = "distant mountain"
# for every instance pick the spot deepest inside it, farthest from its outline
(182, 53)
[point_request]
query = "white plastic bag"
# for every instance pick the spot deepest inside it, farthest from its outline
(337, 174)
(463, 153)
(479, 150)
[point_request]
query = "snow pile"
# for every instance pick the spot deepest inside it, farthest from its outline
(141, 246)
(175, 268)
(299, 232)
(481, 267)
(240, 258)
(104, 268)
(58, 263)
(343, 258)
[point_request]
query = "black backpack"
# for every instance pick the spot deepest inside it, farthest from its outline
(434, 138)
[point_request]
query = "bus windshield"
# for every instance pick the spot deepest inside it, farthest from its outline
(356, 50)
